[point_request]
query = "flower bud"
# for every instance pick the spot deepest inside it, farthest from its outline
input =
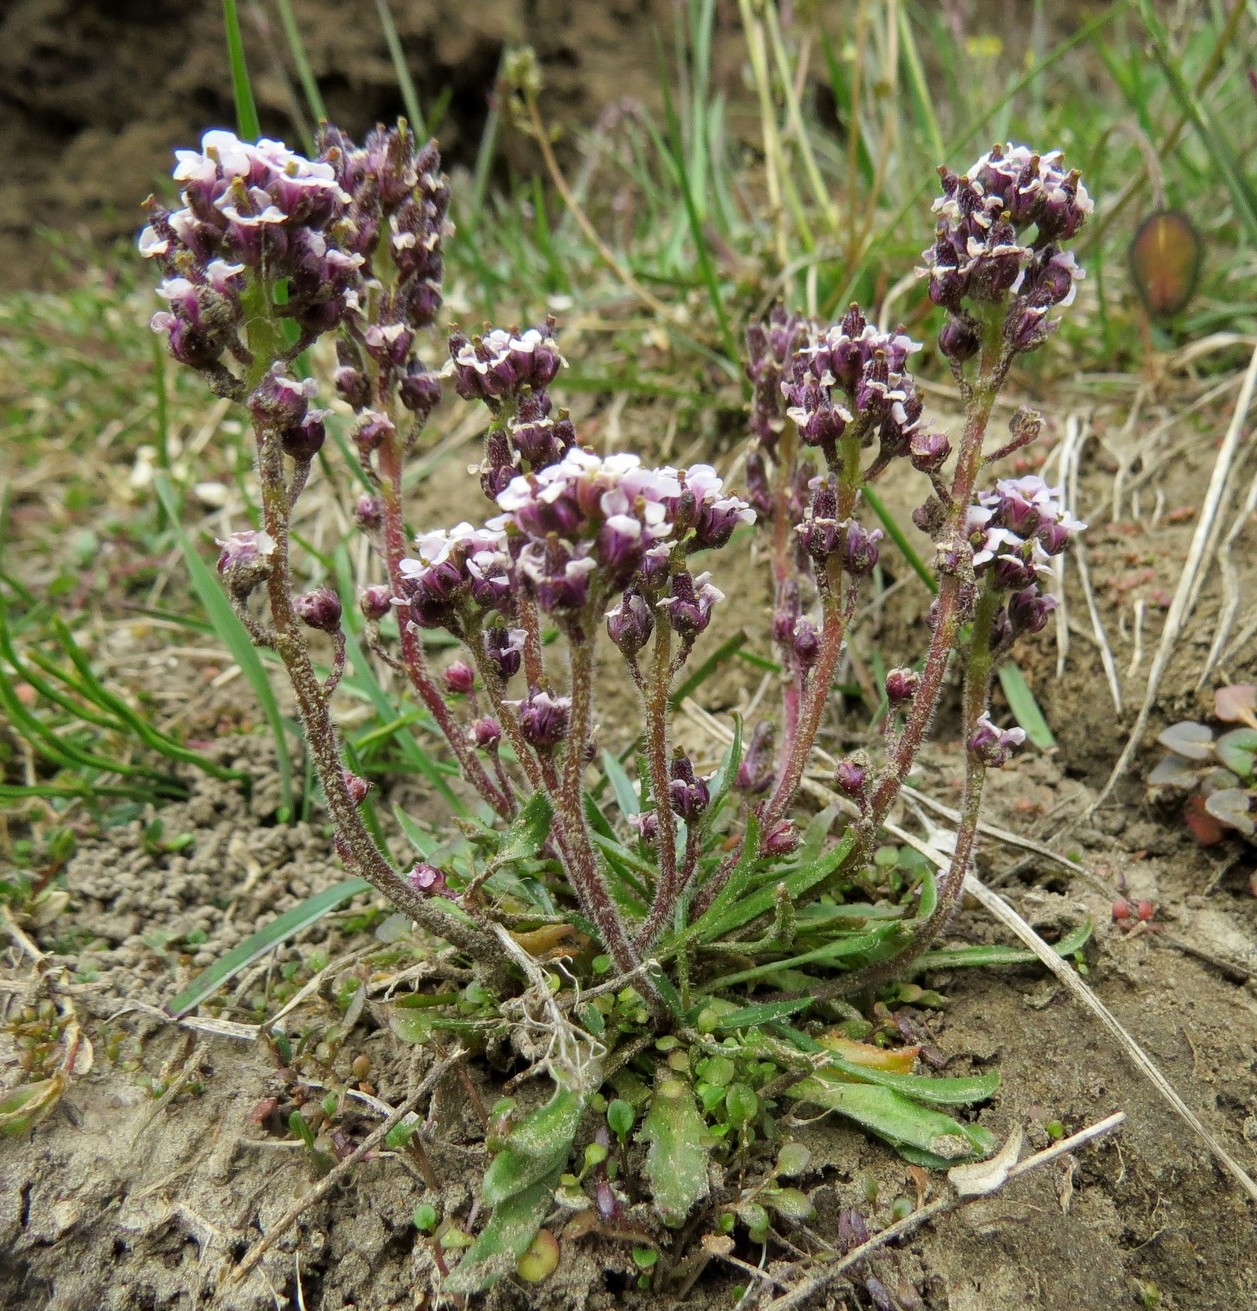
(688, 793)
(355, 786)
(429, 880)
(504, 648)
(460, 678)
(806, 641)
(279, 402)
(543, 720)
(245, 560)
(303, 441)
(959, 339)
(370, 431)
(756, 772)
(420, 391)
(851, 776)
(690, 605)
(901, 686)
(781, 839)
(859, 549)
(376, 601)
(368, 513)
(353, 386)
(319, 609)
(927, 451)
(630, 623)
(486, 733)
(992, 746)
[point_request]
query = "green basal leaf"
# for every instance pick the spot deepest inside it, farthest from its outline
(1237, 750)
(527, 833)
(851, 945)
(536, 1147)
(956, 957)
(504, 1239)
(706, 927)
(726, 775)
(23, 1107)
(680, 1144)
(797, 882)
(1025, 708)
(898, 1119)
(921, 1087)
(750, 1017)
(424, 843)
(816, 834)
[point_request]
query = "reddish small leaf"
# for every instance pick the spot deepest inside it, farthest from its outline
(1205, 829)
(1236, 704)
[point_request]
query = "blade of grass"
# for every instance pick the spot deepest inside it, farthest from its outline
(1025, 708)
(1237, 183)
(241, 88)
(289, 924)
(725, 651)
(405, 84)
(897, 535)
(235, 637)
(301, 61)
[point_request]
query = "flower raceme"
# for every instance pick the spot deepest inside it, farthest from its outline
(573, 534)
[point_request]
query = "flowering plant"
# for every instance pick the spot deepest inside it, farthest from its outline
(269, 252)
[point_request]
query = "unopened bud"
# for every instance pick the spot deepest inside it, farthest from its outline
(460, 678)
(375, 602)
(319, 609)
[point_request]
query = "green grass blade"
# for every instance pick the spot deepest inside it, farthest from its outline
(725, 651)
(290, 923)
(235, 637)
(1233, 173)
(405, 83)
(247, 123)
(1026, 711)
(301, 61)
(898, 536)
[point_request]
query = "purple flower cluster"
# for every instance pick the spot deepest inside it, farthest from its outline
(1015, 531)
(825, 536)
(529, 439)
(616, 522)
(262, 214)
(769, 346)
(281, 404)
(247, 210)
(503, 362)
(397, 191)
(457, 571)
(852, 379)
(982, 252)
(573, 533)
